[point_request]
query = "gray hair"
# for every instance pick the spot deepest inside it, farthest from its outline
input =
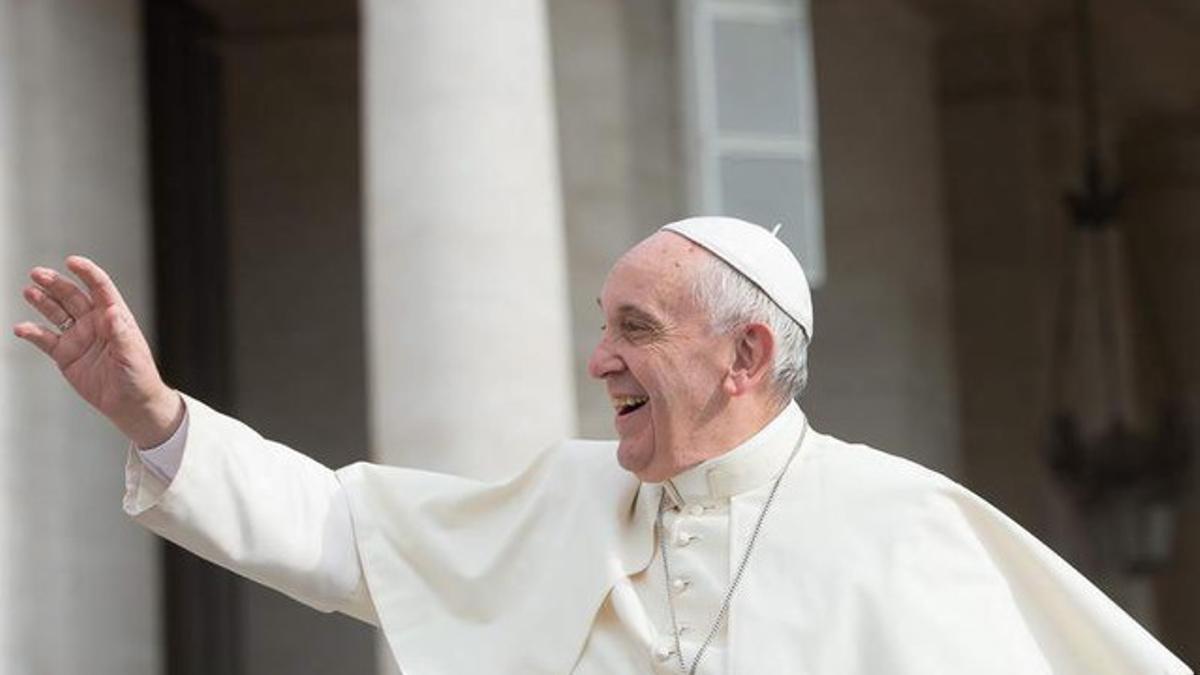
(732, 300)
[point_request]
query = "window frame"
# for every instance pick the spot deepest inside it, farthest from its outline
(706, 145)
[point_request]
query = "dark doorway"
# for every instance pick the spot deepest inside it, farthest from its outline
(255, 158)
(190, 226)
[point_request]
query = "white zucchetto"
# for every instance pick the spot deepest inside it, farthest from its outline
(759, 256)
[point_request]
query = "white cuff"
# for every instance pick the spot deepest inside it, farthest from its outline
(163, 460)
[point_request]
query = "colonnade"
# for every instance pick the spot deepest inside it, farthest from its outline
(464, 261)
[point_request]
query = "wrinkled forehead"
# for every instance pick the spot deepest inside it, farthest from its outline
(661, 270)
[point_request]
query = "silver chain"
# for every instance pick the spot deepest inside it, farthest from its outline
(737, 575)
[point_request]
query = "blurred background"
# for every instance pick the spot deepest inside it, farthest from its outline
(376, 231)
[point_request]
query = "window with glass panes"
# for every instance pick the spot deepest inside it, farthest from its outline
(750, 113)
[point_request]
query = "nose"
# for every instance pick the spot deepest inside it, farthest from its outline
(603, 361)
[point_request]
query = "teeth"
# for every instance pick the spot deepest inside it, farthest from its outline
(623, 402)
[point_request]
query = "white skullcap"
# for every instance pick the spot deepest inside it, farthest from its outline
(759, 256)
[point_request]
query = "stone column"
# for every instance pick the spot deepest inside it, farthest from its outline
(1163, 171)
(467, 326)
(468, 332)
(78, 581)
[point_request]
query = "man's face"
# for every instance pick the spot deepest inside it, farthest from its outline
(660, 359)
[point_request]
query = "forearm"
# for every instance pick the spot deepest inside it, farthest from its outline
(257, 508)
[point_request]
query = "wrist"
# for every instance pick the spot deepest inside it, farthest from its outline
(157, 421)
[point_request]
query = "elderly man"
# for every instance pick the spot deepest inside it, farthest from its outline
(721, 534)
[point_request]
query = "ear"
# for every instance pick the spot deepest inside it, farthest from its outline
(753, 355)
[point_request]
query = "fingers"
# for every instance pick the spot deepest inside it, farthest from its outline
(104, 291)
(63, 290)
(46, 305)
(43, 338)
(120, 327)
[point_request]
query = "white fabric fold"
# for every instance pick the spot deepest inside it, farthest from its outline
(866, 563)
(256, 507)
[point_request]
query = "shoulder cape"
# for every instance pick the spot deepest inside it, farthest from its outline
(474, 578)
(868, 564)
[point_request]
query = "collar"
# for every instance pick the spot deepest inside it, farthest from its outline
(747, 466)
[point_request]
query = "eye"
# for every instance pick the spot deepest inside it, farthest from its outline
(638, 331)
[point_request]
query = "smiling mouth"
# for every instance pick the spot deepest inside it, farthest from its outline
(628, 404)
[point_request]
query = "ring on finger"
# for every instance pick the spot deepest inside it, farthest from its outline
(66, 324)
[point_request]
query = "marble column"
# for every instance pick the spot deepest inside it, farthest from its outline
(469, 356)
(78, 581)
(468, 333)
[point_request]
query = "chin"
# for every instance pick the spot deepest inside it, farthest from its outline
(634, 457)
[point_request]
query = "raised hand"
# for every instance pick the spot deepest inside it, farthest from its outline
(98, 347)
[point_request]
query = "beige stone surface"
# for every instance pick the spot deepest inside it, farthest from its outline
(468, 329)
(614, 67)
(78, 581)
(882, 364)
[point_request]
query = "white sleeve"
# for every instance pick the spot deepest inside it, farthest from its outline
(164, 459)
(254, 506)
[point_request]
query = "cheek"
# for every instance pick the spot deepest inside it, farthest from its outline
(699, 375)
(680, 385)
(681, 377)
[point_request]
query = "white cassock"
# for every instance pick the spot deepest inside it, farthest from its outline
(866, 564)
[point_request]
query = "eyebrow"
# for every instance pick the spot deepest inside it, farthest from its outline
(633, 311)
(638, 313)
